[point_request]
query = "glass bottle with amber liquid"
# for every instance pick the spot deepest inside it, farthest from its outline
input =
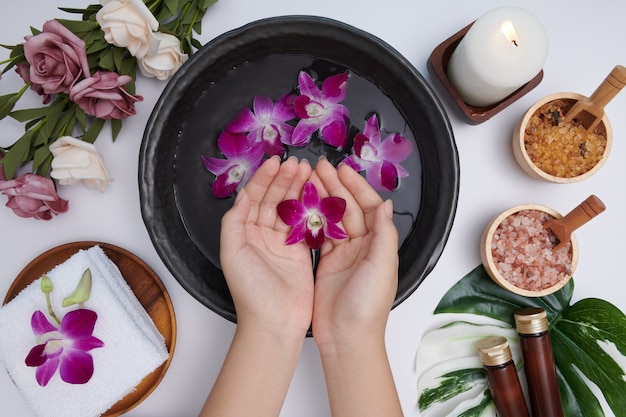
(543, 387)
(502, 378)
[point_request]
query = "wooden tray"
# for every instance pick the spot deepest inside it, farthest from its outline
(438, 65)
(148, 289)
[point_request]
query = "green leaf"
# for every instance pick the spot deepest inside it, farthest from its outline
(54, 111)
(476, 293)
(7, 102)
(171, 6)
(116, 127)
(29, 114)
(17, 155)
(589, 341)
(92, 133)
(79, 26)
(106, 60)
(42, 158)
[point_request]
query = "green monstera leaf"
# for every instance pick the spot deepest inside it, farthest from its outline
(588, 337)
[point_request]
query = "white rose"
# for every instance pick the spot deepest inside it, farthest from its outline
(166, 61)
(129, 24)
(75, 160)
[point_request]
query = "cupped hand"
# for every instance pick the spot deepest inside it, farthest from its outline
(357, 277)
(271, 283)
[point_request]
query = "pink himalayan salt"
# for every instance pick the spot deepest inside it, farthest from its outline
(522, 252)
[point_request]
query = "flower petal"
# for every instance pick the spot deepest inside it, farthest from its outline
(283, 108)
(389, 176)
(335, 133)
(291, 212)
(40, 324)
(333, 208)
(222, 187)
(88, 343)
(36, 356)
(76, 367)
(314, 240)
(310, 198)
(244, 121)
(334, 232)
(78, 324)
(302, 133)
(372, 130)
(232, 144)
(374, 177)
(297, 234)
(263, 107)
(46, 371)
(395, 148)
(335, 88)
(307, 86)
(215, 166)
(299, 106)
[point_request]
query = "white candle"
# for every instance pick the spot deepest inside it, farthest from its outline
(503, 50)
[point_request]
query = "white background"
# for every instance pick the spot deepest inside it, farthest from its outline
(586, 42)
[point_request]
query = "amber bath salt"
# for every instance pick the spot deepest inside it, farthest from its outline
(549, 148)
(560, 148)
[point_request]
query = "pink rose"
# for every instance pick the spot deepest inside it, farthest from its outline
(31, 195)
(103, 95)
(23, 71)
(57, 58)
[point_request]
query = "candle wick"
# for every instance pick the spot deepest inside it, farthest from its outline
(514, 42)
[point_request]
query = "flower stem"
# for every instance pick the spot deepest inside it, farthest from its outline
(50, 310)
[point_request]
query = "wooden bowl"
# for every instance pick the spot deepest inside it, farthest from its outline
(490, 266)
(524, 160)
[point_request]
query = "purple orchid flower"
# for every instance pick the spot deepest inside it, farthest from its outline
(312, 219)
(379, 159)
(320, 110)
(267, 123)
(64, 348)
(243, 159)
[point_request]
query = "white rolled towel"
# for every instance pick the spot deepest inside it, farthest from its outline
(133, 347)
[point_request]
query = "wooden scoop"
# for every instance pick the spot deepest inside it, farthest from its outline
(590, 111)
(581, 214)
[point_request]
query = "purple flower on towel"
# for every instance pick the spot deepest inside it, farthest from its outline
(65, 347)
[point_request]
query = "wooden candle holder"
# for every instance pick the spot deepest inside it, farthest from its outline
(438, 65)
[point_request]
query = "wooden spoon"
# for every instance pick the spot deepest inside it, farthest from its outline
(581, 214)
(590, 111)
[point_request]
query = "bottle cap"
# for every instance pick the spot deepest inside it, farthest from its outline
(494, 350)
(531, 320)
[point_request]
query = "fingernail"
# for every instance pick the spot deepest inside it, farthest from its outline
(321, 157)
(389, 208)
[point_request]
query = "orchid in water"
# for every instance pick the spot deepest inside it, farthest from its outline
(242, 161)
(321, 110)
(380, 159)
(65, 347)
(312, 219)
(266, 123)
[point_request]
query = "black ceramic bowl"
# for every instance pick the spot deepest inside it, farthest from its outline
(264, 58)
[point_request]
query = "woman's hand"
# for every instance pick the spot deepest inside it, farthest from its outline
(271, 283)
(357, 277)
(355, 286)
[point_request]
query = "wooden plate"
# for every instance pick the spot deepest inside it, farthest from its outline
(148, 289)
